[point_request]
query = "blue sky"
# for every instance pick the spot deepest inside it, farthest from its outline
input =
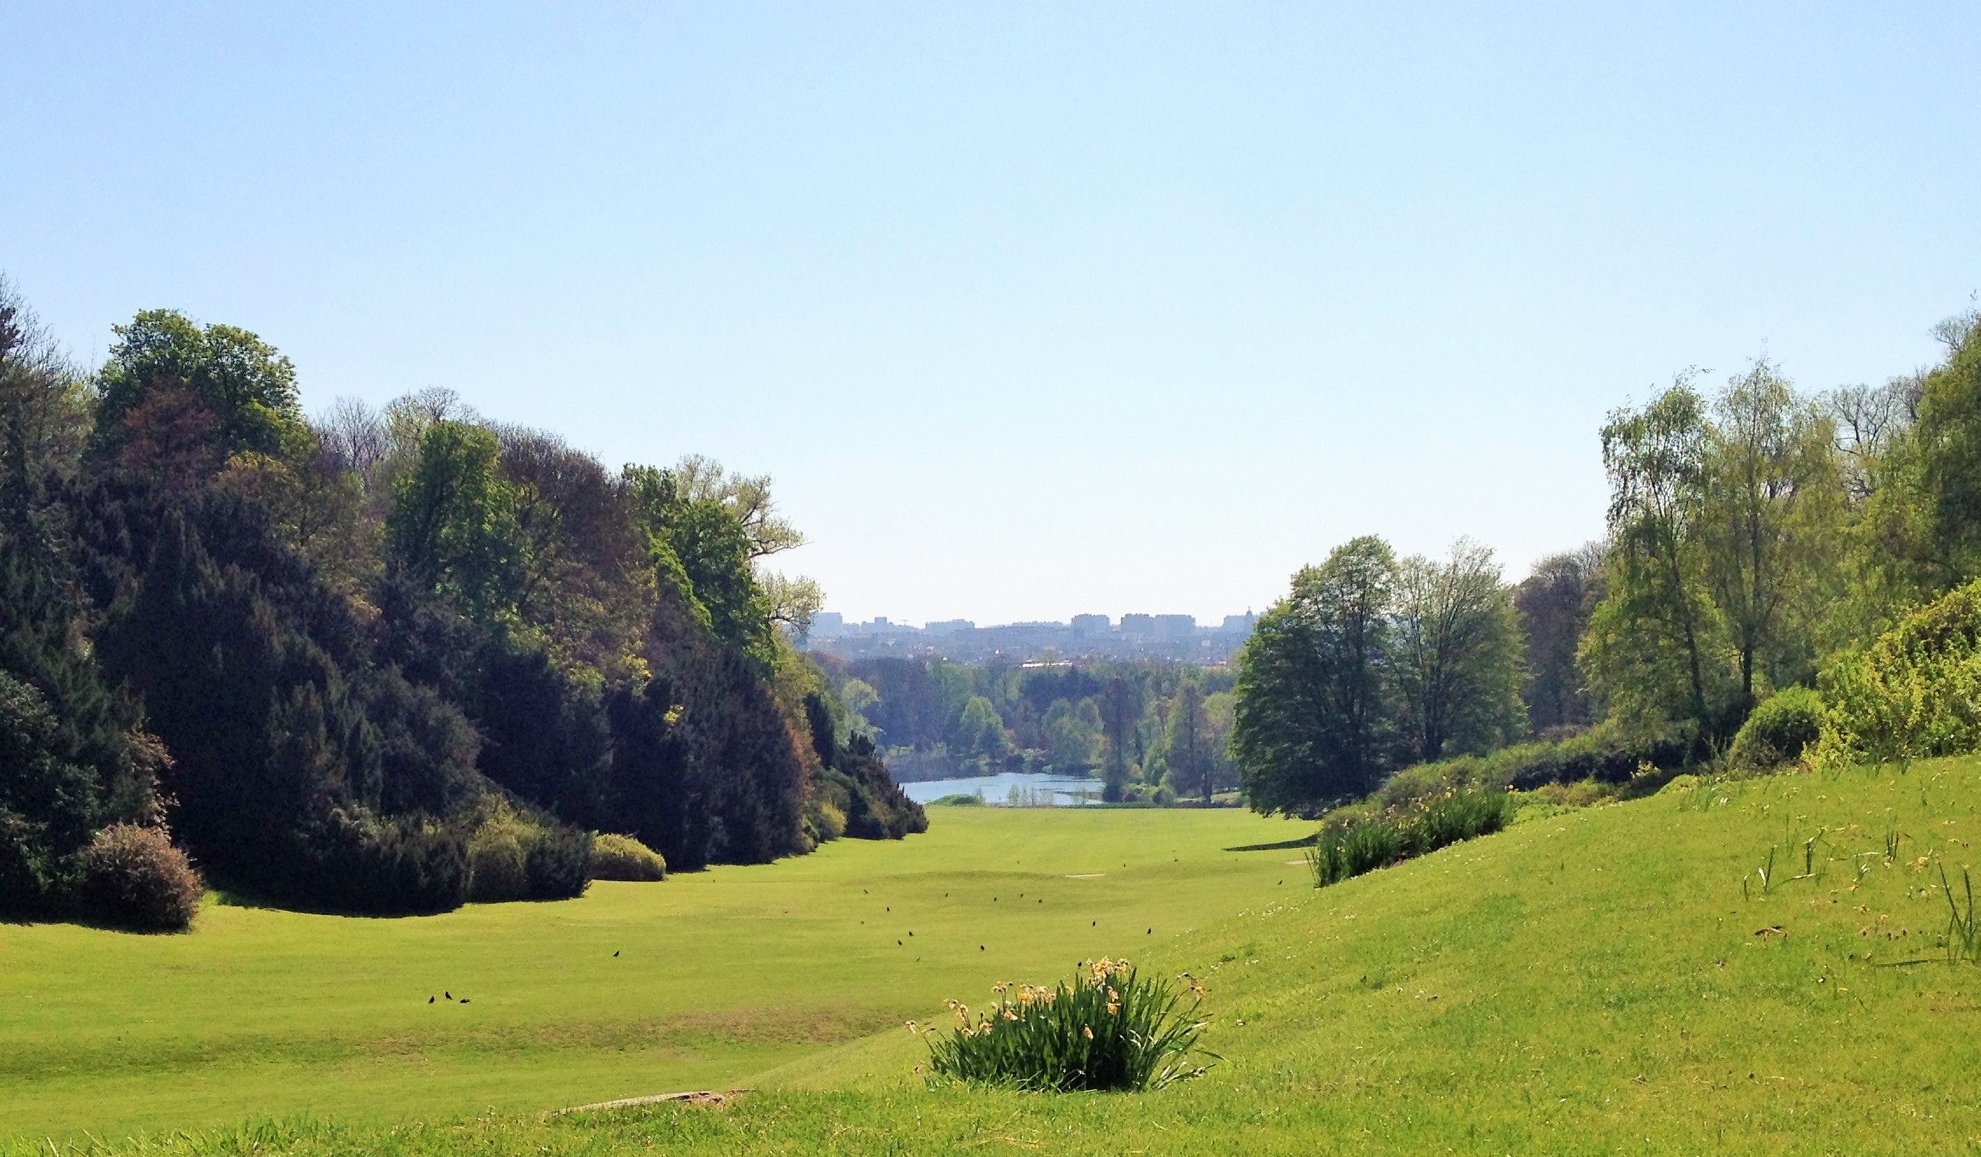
(1030, 310)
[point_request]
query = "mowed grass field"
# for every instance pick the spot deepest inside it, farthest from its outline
(719, 976)
(1617, 979)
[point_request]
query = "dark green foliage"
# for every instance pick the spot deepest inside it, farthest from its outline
(35, 781)
(1110, 1030)
(517, 853)
(559, 864)
(1315, 723)
(133, 877)
(352, 639)
(878, 808)
(349, 861)
(1362, 839)
(545, 736)
(1780, 728)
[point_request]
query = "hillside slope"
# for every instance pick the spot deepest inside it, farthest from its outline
(1589, 981)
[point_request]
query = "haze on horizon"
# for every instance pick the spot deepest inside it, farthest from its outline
(1030, 311)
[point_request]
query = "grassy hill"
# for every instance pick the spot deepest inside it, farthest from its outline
(1618, 978)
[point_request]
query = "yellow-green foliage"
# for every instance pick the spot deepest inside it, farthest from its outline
(519, 855)
(496, 864)
(1779, 729)
(616, 857)
(1914, 692)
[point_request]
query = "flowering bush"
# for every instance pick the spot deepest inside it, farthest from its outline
(1109, 1029)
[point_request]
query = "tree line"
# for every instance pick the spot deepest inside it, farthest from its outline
(337, 657)
(1756, 536)
(1150, 730)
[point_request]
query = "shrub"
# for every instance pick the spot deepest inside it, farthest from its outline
(1914, 692)
(134, 876)
(356, 861)
(1109, 1029)
(496, 869)
(515, 854)
(831, 820)
(617, 857)
(1359, 838)
(1781, 726)
(959, 799)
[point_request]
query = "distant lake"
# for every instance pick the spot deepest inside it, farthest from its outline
(1011, 788)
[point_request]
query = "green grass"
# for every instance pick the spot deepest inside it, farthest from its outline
(721, 975)
(1587, 981)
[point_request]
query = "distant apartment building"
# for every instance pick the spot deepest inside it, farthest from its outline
(1087, 637)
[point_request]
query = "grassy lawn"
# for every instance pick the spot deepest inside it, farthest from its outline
(719, 975)
(1591, 981)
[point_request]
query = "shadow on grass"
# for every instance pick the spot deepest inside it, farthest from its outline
(1282, 846)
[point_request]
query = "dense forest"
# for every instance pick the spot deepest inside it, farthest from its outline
(1760, 585)
(1153, 731)
(380, 661)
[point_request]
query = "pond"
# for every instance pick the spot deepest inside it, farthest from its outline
(1011, 789)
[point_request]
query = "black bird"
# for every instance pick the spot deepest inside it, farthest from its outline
(448, 995)
(464, 1000)
(1093, 923)
(1150, 932)
(429, 1000)
(890, 908)
(911, 931)
(1281, 882)
(615, 952)
(897, 940)
(980, 948)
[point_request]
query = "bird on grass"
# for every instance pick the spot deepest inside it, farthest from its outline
(1150, 932)
(448, 995)
(897, 940)
(615, 952)
(464, 1000)
(980, 948)
(429, 1000)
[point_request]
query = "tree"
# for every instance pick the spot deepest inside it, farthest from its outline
(1949, 434)
(453, 522)
(245, 385)
(1073, 736)
(1190, 759)
(980, 731)
(1554, 604)
(1458, 654)
(1770, 512)
(1650, 641)
(1121, 710)
(1314, 717)
(702, 549)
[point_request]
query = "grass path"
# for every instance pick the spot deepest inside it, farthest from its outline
(720, 975)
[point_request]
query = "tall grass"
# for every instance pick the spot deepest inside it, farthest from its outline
(1362, 840)
(1109, 1029)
